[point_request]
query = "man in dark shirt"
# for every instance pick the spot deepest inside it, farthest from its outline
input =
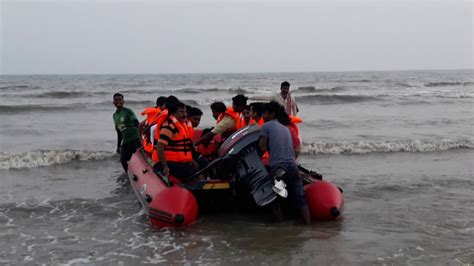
(126, 125)
(276, 138)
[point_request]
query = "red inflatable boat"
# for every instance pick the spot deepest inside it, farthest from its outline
(237, 173)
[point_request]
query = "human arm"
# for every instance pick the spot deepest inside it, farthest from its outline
(226, 123)
(262, 144)
(206, 138)
(141, 128)
(295, 140)
(160, 147)
(165, 137)
(294, 106)
(119, 140)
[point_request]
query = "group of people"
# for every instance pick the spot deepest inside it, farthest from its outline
(167, 134)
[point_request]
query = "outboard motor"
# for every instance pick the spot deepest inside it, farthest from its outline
(241, 150)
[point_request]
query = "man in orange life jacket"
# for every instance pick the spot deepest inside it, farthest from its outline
(228, 122)
(256, 112)
(194, 115)
(175, 145)
(246, 116)
(150, 114)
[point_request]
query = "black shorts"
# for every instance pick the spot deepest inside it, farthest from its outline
(182, 171)
(128, 150)
(295, 184)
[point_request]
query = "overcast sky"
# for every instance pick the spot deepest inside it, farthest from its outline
(252, 36)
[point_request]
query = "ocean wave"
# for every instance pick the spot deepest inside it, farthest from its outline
(41, 158)
(60, 94)
(25, 108)
(135, 103)
(445, 84)
(360, 80)
(193, 103)
(17, 87)
(309, 89)
(364, 147)
(195, 91)
(334, 98)
(405, 85)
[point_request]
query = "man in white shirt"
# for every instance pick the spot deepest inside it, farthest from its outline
(284, 98)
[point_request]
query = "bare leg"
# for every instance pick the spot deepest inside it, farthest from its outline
(305, 215)
(277, 213)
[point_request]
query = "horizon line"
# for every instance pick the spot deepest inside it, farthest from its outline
(229, 73)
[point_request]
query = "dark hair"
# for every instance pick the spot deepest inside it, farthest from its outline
(272, 107)
(283, 117)
(193, 111)
(285, 84)
(258, 108)
(279, 111)
(239, 100)
(118, 95)
(206, 130)
(218, 107)
(160, 101)
(170, 101)
(174, 106)
(247, 107)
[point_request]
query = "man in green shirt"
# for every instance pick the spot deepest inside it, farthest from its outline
(126, 125)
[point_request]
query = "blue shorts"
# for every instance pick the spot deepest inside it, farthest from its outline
(294, 184)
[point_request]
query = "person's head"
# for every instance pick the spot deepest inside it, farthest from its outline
(271, 111)
(194, 115)
(256, 110)
(283, 117)
(160, 102)
(217, 109)
(285, 88)
(246, 113)
(118, 100)
(239, 102)
(170, 101)
(178, 109)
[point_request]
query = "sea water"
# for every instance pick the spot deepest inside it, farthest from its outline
(400, 144)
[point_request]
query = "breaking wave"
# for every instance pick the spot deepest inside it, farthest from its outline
(41, 158)
(364, 147)
(334, 99)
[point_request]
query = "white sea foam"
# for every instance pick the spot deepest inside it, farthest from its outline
(39, 158)
(363, 147)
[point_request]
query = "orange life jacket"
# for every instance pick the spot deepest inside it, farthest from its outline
(158, 120)
(295, 120)
(208, 151)
(190, 129)
(150, 113)
(253, 122)
(179, 149)
(238, 119)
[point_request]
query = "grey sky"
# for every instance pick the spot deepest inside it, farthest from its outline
(254, 36)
